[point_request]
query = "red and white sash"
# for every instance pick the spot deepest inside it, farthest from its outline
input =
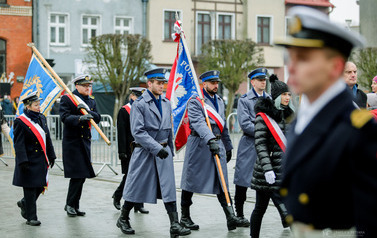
(128, 108)
(275, 130)
(212, 113)
(40, 134)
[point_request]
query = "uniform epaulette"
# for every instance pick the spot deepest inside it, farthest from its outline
(244, 95)
(139, 98)
(360, 117)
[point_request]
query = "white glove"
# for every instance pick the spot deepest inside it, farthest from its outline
(270, 177)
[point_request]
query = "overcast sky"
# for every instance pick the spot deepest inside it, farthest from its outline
(345, 9)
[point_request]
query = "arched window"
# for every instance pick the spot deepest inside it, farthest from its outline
(3, 56)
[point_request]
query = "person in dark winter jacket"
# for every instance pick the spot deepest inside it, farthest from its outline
(271, 122)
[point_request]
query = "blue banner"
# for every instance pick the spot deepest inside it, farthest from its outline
(39, 79)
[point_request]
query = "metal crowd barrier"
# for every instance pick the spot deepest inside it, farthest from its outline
(101, 153)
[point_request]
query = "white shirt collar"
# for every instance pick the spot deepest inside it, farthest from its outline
(308, 111)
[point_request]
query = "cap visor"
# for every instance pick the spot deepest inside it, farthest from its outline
(299, 42)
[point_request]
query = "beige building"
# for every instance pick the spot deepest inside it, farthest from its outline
(205, 20)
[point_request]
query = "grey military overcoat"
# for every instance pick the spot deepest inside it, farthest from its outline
(246, 154)
(199, 174)
(146, 170)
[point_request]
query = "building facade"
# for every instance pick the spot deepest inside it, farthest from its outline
(15, 33)
(62, 29)
(368, 18)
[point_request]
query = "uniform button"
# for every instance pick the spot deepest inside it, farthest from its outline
(82, 136)
(88, 137)
(36, 150)
(283, 192)
(303, 198)
(36, 143)
(82, 126)
(289, 219)
(29, 127)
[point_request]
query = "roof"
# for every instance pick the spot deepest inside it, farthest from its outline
(316, 3)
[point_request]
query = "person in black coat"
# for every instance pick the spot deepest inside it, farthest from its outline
(329, 181)
(125, 139)
(77, 141)
(34, 155)
(350, 77)
(268, 166)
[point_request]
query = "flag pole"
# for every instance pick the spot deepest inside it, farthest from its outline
(60, 81)
(217, 159)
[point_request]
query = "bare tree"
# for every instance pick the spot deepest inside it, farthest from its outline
(366, 62)
(120, 61)
(234, 59)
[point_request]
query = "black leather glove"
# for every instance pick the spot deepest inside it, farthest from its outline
(24, 167)
(52, 162)
(122, 156)
(81, 106)
(86, 117)
(228, 155)
(163, 154)
(214, 146)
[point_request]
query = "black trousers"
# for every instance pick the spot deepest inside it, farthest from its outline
(186, 198)
(30, 202)
(169, 206)
(119, 192)
(74, 192)
(261, 204)
(239, 199)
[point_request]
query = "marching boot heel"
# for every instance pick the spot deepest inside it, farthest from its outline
(176, 229)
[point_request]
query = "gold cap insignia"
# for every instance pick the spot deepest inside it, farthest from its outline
(294, 26)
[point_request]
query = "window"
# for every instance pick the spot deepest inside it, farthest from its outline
(169, 20)
(203, 33)
(58, 29)
(264, 30)
(3, 56)
(90, 28)
(123, 25)
(3, 1)
(225, 27)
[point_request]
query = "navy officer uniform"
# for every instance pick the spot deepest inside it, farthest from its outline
(125, 140)
(199, 173)
(151, 171)
(246, 154)
(31, 164)
(77, 141)
(329, 174)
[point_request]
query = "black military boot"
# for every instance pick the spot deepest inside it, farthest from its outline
(116, 201)
(240, 215)
(186, 219)
(124, 222)
(176, 229)
(231, 220)
(283, 215)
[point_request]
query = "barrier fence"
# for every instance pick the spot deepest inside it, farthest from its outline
(102, 154)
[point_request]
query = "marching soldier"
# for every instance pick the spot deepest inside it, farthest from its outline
(246, 154)
(124, 146)
(199, 174)
(34, 155)
(151, 170)
(77, 141)
(330, 179)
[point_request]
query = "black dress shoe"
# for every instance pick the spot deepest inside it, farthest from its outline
(71, 212)
(116, 202)
(33, 223)
(141, 210)
(23, 211)
(80, 213)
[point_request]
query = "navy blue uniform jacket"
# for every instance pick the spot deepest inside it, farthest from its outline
(330, 171)
(77, 138)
